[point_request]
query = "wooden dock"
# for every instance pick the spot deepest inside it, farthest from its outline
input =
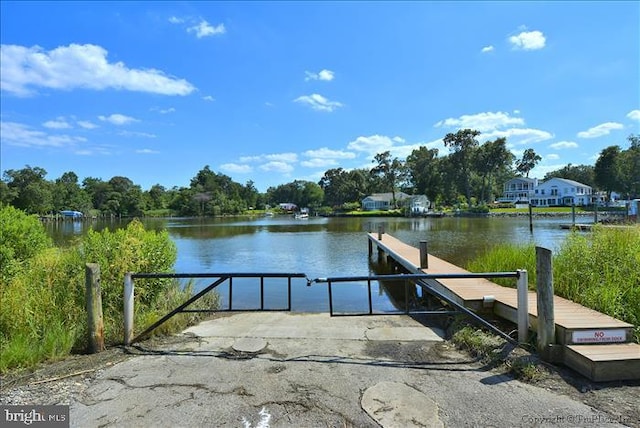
(594, 344)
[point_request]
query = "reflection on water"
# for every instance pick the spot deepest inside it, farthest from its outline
(321, 247)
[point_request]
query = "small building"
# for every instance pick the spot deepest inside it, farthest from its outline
(519, 190)
(562, 192)
(288, 206)
(71, 214)
(384, 201)
(418, 204)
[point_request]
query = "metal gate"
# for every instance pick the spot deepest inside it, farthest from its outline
(409, 280)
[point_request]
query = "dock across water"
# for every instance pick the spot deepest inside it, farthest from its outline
(594, 344)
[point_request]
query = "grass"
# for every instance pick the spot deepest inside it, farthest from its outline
(43, 316)
(598, 270)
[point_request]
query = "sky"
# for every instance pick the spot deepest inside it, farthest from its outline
(279, 91)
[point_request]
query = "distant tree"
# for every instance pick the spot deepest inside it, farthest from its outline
(528, 161)
(630, 168)
(581, 173)
(425, 172)
(607, 170)
(492, 157)
(463, 145)
(29, 189)
(390, 173)
(67, 194)
(300, 192)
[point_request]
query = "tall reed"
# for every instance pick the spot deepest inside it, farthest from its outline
(599, 270)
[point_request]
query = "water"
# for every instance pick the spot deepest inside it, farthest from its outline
(321, 247)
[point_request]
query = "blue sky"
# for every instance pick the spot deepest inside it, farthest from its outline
(273, 92)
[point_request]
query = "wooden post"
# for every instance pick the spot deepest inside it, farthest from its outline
(523, 305)
(128, 309)
(94, 307)
(380, 232)
(595, 211)
(370, 247)
(424, 257)
(573, 214)
(530, 218)
(544, 285)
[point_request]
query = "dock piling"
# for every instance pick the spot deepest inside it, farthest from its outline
(94, 307)
(544, 286)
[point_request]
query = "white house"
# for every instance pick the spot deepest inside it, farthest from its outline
(382, 201)
(418, 204)
(519, 189)
(561, 192)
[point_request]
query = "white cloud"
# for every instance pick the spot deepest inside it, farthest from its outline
(325, 153)
(208, 98)
(319, 163)
(86, 124)
(519, 136)
(634, 115)
(204, 29)
(236, 168)
(176, 20)
(78, 66)
(276, 166)
(118, 119)
(136, 134)
(486, 121)
(147, 151)
(326, 75)
(486, 49)
(18, 134)
(564, 145)
(552, 156)
(318, 102)
(163, 111)
(276, 157)
(372, 144)
(600, 130)
(528, 40)
(59, 123)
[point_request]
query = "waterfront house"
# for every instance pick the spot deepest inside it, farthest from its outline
(382, 201)
(519, 190)
(418, 204)
(562, 192)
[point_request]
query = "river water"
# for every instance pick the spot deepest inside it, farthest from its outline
(321, 247)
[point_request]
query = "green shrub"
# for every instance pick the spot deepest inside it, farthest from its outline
(43, 314)
(598, 270)
(21, 237)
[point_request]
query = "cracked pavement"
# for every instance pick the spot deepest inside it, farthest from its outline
(314, 371)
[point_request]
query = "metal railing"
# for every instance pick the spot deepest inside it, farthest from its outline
(220, 278)
(420, 280)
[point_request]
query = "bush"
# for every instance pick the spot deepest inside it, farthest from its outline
(21, 237)
(43, 313)
(598, 270)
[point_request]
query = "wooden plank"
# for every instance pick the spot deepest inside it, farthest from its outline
(603, 363)
(568, 315)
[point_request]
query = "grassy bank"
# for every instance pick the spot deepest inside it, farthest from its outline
(42, 299)
(598, 270)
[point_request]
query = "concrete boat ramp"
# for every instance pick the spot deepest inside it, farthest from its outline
(313, 370)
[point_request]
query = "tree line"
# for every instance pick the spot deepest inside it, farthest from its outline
(470, 174)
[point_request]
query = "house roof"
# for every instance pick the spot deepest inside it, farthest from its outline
(387, 196)
(565, 181)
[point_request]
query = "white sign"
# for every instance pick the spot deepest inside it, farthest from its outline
(599, 336)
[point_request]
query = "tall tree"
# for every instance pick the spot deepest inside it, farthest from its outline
(463, 145)
(607, 170)
(31, 192)
(425, 172)
(528, 161)
(491, 158)
(389, 171)
(630, 168)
